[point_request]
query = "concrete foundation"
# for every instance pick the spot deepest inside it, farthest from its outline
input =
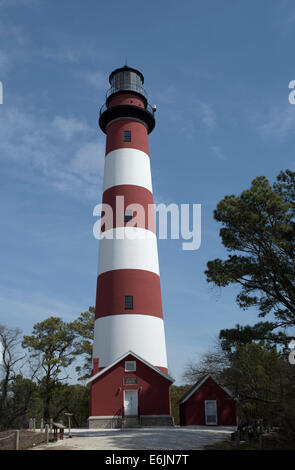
(113, 422)
(156, 420)
(104, 422)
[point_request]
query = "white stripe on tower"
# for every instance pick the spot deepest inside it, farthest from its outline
(129, 248)
(127, 166)
(117, 334)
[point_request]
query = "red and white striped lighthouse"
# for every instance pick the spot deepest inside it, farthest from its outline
(129, 325)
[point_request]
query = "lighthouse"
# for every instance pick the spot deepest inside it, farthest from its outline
(130, 381)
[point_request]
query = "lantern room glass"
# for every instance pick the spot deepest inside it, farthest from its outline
(126, 80)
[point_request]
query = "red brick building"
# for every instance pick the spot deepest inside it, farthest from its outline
(208, 403)
(129, 388)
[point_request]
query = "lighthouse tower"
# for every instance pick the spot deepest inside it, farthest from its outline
(130, 381)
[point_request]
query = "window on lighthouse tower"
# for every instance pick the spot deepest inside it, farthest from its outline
(129, 302)
(127, 136)
(127, 215)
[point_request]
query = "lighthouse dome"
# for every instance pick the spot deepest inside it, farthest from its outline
(126, 79)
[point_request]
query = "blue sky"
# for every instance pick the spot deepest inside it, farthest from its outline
(218, 73)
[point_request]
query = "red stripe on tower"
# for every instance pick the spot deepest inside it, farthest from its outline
(115, 135)
(134, 198)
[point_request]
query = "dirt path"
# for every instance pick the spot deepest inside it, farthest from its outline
(176, 438)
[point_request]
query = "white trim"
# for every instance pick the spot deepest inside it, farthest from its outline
(94, 377)
(127, 166)
(198, 385)
(194, 389)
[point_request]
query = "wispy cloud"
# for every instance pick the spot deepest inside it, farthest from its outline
(35, 306)
(208, 115)
(166, 96)
(97, 79)
(69, 127)
(218, 152)
(64, 151)
(277, 123)
(188, 112)
(14, 45)
(89, 161)
(66, 54)
(197, 116)
(3, 59)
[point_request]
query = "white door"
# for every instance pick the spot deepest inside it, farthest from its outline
(130, 402)
(210, 412)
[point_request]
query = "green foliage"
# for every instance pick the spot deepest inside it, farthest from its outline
(258, 375)
(52, 344)
(52, 348)
(258, 230)
(22, 401)
(84, 329)
(242, 335)
(51, 341)
(261, 378)
(73, 399)
(255, 372)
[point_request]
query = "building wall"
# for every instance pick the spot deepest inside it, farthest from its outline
(192, 412)
(126, 98)
(107, 398)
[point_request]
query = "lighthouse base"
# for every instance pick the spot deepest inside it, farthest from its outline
(115, 422)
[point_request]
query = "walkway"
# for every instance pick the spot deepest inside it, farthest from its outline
(177, 438)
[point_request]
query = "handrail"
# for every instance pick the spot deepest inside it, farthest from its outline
(127, 87)
(7, 437)
(148, 108)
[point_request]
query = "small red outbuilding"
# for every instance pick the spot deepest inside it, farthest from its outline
(208, 403)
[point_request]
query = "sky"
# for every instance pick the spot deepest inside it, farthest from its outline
(218, 73)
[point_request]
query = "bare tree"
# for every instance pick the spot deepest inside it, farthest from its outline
(214, 362)
(10, 357)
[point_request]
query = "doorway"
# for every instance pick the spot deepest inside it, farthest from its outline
(210, 412)
(130, 403)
